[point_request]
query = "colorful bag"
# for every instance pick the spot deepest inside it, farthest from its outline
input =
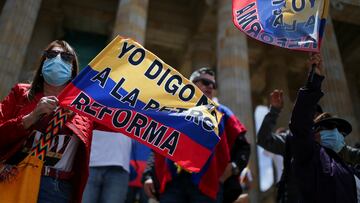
(24, 187)
(20, 183)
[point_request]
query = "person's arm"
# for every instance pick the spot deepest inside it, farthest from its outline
(148, 178)
(303, 147)
(17, 116)
(350, 155)
(150, 168)
(266, 138)
(11, 123)
(238, 145)
(301, 123)
(240, 152)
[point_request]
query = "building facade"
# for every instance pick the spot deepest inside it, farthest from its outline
(188, 34)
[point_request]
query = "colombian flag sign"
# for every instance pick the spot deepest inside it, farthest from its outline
(292, 24)
(129, 90)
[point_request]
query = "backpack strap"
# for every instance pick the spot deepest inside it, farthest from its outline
(54, 127)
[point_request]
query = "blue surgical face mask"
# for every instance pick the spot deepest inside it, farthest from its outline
(332, 139)
(56, 72)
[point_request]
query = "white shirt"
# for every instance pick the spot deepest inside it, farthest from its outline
(63, 147)
(110, 149)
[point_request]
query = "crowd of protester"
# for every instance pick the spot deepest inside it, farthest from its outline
(318, 165)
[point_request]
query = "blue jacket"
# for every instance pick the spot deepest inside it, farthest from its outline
(321, 174)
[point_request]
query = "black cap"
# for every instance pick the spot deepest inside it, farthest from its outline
(327, 120)
(319, 110)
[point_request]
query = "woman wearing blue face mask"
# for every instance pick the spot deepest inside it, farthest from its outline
(24, 116)
(321, 174)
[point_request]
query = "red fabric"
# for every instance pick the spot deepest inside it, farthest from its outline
(183, 149)
(12, 109)
(209, 182)
(162, 171)
(138, 167)
(13, 135)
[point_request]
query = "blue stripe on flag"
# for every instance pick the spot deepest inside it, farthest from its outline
(101, 95)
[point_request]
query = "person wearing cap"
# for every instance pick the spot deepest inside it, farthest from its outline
(267, 137)
(349, 154)
(219, 178)
(321, 175)
(275, 142)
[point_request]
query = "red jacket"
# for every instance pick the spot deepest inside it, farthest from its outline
(13, 135)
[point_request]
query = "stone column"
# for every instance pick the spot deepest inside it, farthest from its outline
(17, 22)
(131, 19)
(353, 2)
(186, 66)
(233, 67)
(202, 52)
(337, 99)
(234, 76)
(46, 30)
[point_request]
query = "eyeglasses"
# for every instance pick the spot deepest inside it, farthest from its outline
(206, 82)
(66, 56)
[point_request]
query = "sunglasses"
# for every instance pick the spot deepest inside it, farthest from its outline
(66, 56)
(206, 82)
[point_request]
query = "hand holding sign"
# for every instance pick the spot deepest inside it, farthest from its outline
(290, 24)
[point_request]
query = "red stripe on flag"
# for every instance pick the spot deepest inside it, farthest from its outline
(186, 152)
